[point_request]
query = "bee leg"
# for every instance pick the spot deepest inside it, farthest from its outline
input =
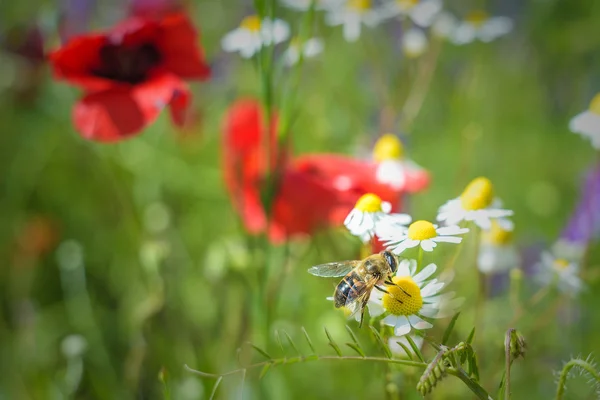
(362, 313)
(385, 291)
(391, 283)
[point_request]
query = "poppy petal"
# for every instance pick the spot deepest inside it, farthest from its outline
(115, 114)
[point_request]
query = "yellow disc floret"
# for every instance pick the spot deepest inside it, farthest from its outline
(360, 5)
(497, 235)
(252, 23)
(595, 104)
(398, 302)
(369, 203)
(477, 17)
(561, 264)
(421, 230)
(388, 147)
(478, 194)
(406, 4)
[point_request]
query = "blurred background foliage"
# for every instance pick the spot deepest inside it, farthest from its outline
(121, 261)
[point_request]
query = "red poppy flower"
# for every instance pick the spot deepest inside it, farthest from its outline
(314, 191)
(130, 73)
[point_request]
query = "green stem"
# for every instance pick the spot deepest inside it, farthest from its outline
(589, 368)
(420, 259)
(471, 384)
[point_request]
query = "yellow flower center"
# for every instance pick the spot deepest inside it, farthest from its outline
(595, 104)
(360, 5)
(477, 17)
(398, 302)
(369, 203)
(560, 264)
(497, 236)
(252, 23)
(478, 194)
(406, 4)
(421, 230)
(388, 147)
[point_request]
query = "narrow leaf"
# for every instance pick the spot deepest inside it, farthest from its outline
(449, 329)
(264, 370)
(278, 340)
(308, 340)
(332, 343)
(289, 338)
(352, 335)
(471, 336)
(406, 350)
(356, 348)
(214, 391)
(383, 345)
(415, 348)
(473, 367)
(261, 351)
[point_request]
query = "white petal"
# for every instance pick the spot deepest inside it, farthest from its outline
(444, 25)
(375, 309)
(494, 28)
(414, 43)
(447, 239)
(425, 273)
(588, 125)
(390, 320)
(403, 268)
(432, 288)
(352, 28)
(402, 326)
(312, 47)
(419, 323)
(464, 33)
(452, 230)
(427, 245)
(424, 12)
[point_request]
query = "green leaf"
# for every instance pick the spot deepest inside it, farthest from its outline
(473, 367)
(214, 391)
(352, 335)
(332, 343)
(406, 350)
(471, 336)
(264, 370)
(261, 351)
(356, 348)
(449, 329)
(289, 338)
(415, 348)
(278, 340)
(383, 345)
(308, 340)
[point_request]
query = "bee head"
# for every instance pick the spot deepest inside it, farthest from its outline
(391, 260)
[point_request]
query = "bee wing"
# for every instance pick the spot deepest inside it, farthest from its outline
(333, 269)
(358, 297)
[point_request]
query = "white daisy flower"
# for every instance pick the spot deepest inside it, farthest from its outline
(304, 5)
(478, 25)
(477, 204)
(367, 212)
(421, 12)
(587, 123)
(308, 49)
(253, 34)
(563, 273)
(419, 233)
(414, 43)
(414, 297)
(394, 169)
(351, 16)
(497, 252)
(444, 25)
(395, 343)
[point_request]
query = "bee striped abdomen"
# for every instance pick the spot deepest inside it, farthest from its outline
(348, 289)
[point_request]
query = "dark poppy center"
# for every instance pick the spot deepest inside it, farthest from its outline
(129, 64)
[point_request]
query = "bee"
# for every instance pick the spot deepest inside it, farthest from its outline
(360, 278)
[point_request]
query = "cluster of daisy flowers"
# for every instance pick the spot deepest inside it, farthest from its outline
(415, 296)
(423, 16)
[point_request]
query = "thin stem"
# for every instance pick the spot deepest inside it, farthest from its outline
(507, 363)
(589, 368)
(420, 259)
